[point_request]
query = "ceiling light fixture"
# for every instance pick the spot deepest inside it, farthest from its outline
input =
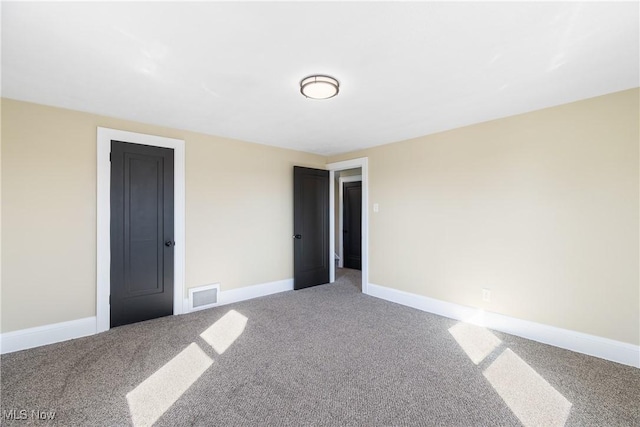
(319, 87)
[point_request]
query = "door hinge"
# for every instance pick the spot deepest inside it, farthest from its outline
(109, 156)
(109, 299)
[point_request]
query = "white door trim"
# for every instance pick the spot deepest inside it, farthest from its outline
(362, 163)
(103, 262)
(341, 181)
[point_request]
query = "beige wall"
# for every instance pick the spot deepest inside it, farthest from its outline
(238, 211)
(542, 208)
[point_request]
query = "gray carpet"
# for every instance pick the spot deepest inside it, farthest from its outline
(324, 356)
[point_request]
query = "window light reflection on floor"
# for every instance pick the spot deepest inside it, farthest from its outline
(225, 331)
(155, 395)
(476, 341)
(149, 400)
(529, 396)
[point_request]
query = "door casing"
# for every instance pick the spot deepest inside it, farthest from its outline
(103, 237)
(363, 163)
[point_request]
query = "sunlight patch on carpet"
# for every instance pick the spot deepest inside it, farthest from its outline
(225, 331)
(149, 400)
(529, 396)
(476, 341)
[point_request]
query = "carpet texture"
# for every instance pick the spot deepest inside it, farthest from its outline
(324, 356)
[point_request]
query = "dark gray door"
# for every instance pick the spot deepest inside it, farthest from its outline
(352, 225)
(141, 232)
(310, 227)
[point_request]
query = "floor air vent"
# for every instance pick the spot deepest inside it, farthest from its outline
(203, 297)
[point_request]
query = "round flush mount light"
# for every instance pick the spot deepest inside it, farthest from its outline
(319, 87)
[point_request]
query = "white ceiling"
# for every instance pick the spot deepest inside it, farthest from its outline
(233, 69)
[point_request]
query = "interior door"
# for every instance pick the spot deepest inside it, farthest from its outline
(310, 227)
(352, 225)
(141, 232)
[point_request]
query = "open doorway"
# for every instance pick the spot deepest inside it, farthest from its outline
(348, 230)
(348, 211)
(349, 221)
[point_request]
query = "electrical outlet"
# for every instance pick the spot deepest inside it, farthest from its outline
(376, 207)
(486, 295)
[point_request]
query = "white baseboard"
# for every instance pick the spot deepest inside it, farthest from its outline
(604, 348)
(616, 351)
(58, 332)
(47, 334)
(250, 292)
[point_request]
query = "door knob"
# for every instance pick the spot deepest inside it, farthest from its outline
(169, 243)
(297, 236)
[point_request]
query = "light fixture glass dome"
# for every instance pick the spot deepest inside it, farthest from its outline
(319, 87)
